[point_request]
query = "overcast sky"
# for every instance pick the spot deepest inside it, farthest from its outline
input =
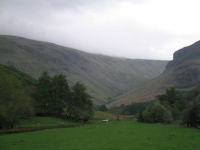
(144, 29)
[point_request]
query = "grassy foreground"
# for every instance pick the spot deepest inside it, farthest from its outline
(112, 135)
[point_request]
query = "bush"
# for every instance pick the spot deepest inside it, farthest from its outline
(156, 113)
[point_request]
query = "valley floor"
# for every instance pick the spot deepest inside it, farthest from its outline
(98, 135)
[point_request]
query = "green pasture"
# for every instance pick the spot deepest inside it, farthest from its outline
(112, 135)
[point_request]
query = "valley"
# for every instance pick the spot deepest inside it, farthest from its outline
(106, 77)
(110, 80)
(183, 72)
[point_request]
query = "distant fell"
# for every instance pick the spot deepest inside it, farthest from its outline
(105, 77)
(183, 72)
(185, 54)
(186, 66)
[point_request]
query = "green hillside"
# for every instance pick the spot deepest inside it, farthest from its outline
(183, 72)
(24, 78)
(105, 77)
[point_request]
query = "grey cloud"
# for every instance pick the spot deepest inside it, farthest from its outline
(67, 23)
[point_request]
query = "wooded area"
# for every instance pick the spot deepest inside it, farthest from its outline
(21, 96)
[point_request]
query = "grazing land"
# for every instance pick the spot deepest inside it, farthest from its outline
(98, 135)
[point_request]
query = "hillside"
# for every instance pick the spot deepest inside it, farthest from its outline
(105, 77)
(24, 78)
(183, 72)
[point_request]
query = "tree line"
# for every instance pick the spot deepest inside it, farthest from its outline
(167, 108)
(172, 106)
(53, 96)
(22, 96)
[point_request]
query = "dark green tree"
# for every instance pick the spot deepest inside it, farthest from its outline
(135, 108)
(103, 108)
(60, 93)
(172, 101)
(82, 105)
(52, 94)
(191, 116)
(15, 104)
(172, 97)
(43, 94)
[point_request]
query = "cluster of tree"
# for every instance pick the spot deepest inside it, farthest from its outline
(102, 108)
(155, 113)
(134, 108)
(174, 105)
(54, 97)
(22, 96)
(166, 110)
(15, 100)
(131, 109)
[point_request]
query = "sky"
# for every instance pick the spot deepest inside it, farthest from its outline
(137, 29)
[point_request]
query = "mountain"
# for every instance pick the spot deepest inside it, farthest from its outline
(105, 77)
(183, 72)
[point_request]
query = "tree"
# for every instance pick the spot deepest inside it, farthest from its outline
(15, 104)
(135, 108)
(172, 101)
(52, 94)
(60, 93)
(192, 116)
(103, 108)
(82, 105)
(171, 97)
(140, 117)
(43, 94)
(167, 117)
(156, 113)
(148, 115)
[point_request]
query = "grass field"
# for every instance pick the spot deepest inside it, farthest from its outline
(112, 135)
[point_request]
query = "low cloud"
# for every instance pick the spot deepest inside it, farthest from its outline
(142, 29)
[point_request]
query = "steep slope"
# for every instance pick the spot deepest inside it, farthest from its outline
(186, 66)
(183, 72)
(25, 79)
(104, 76)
